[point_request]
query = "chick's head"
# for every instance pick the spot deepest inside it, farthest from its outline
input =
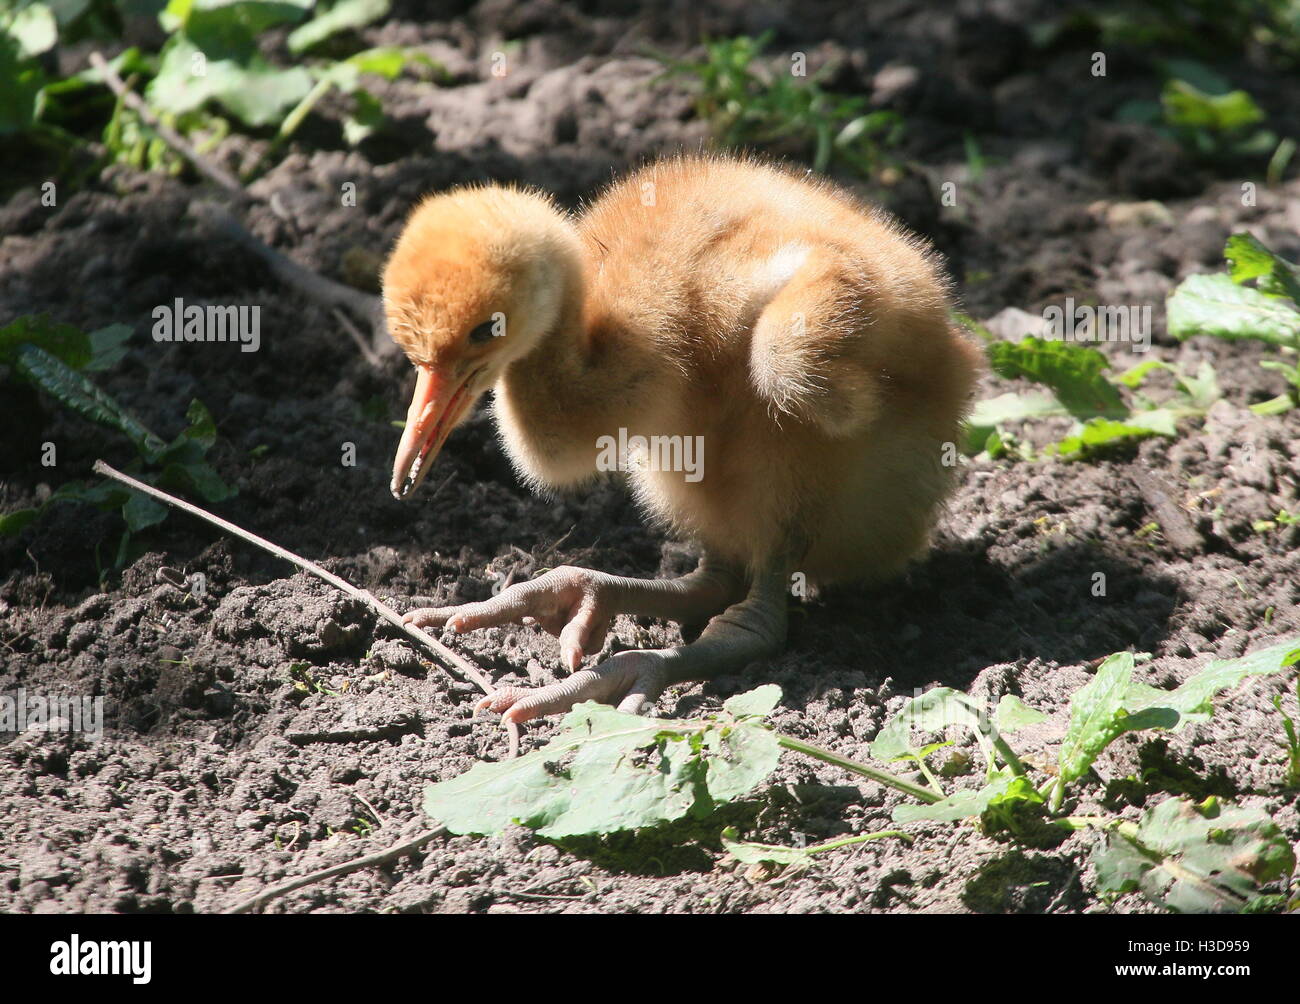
(477, 279)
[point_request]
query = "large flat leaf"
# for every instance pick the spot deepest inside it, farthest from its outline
(607, 771)
(251, 89)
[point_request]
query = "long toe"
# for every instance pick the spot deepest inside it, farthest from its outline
(632, 680)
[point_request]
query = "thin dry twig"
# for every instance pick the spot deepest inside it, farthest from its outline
(367, 353)
(450, 659)
(356, 864)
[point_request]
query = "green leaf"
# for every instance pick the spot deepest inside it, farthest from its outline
(78, 393)
(365, 120)
(1134, 376)
(739, 758)
(108, 346)
(1203, 388)
(63, 341)
(1195, 859)
(959, 805)
(1289, 372)
(1013, 714)
(1189, 107)
(930, 712)
(1193, 700)
(756, 703)
(1073, 372)
(1097, 433)
(229, 29)
(1098, 716)
(12, 522)
(21, 85)
(1013, 407)
(1215, 305)
(342, 16)
(33, 27)
(142, 512)
(199, 477)
(1248, 259)
(607, 771)
(252, 89)
(202, 430)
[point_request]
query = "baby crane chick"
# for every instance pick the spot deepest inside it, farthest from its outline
(799, 341)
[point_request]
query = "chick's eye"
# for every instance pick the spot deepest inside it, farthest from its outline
(485, 332)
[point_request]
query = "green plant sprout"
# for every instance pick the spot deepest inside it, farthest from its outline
(54, 358)
(210, 61)
(305, 681)
(747, 104)
(1200, 110)
(1224, 306)
(1107, 411)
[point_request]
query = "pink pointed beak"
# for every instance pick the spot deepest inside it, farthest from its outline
(436, 408)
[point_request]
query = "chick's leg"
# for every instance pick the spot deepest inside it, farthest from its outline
(745, 632)
(577, 605)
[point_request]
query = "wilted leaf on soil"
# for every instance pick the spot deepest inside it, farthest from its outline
(1194, 858)
(794, 858)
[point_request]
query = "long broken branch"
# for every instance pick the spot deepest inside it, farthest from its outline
(365, 306)
(450, 659)
(214, 173)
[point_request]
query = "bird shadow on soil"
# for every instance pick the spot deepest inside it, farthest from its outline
(961, 612)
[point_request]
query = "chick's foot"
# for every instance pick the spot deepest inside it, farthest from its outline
(748, 631)
(577, 605)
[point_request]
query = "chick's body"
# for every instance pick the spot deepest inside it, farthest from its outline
(793, 345)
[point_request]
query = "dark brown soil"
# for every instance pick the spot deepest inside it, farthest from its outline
(218, 775)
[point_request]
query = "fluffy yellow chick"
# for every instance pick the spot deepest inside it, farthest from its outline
(768, 362)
